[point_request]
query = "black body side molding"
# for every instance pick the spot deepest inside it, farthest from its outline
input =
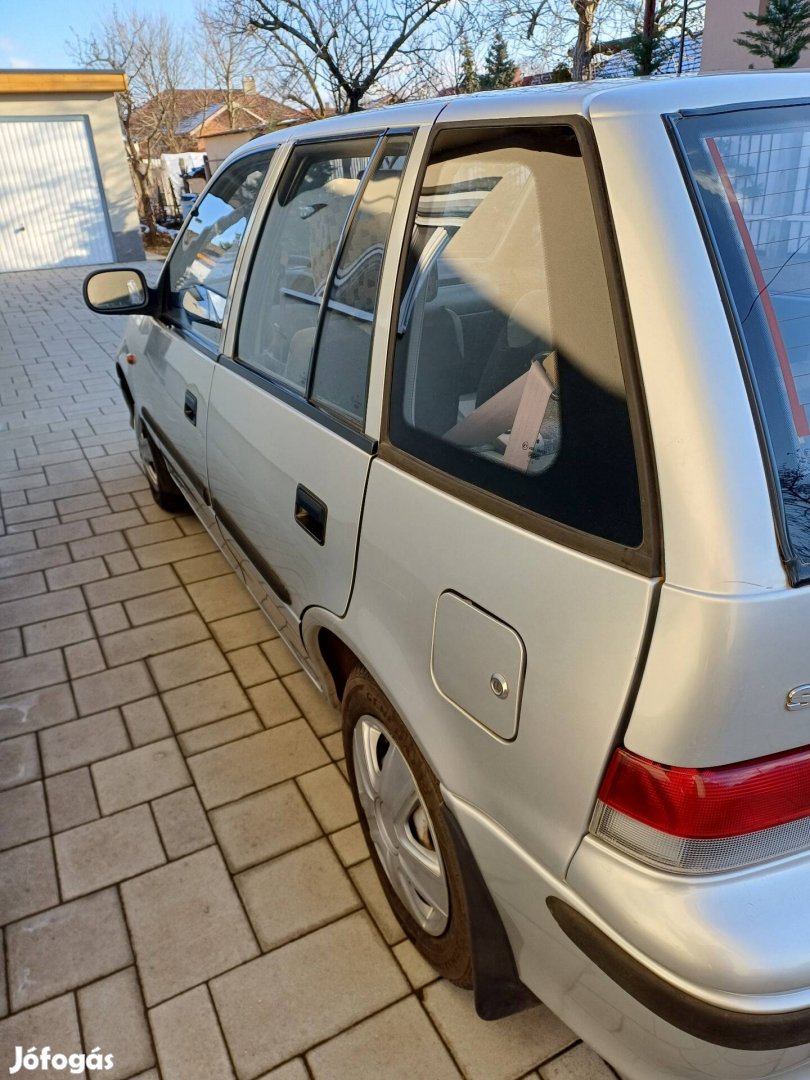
(712, 1023)
(497, 986)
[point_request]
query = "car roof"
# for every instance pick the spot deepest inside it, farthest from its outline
(655, 95)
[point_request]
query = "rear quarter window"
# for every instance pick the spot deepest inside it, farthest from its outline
(750, 171)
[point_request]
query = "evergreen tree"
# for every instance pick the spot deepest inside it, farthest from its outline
(499, 71)
(783, 31)
(469, 83)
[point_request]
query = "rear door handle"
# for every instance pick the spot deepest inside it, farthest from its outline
(310, 513)
(190, 408)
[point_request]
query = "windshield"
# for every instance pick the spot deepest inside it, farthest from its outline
(751, 173)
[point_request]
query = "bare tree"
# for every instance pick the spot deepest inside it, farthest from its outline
(342, 49)
(223, 59)
(152, 52)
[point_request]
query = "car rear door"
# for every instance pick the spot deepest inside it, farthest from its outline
(288, 455)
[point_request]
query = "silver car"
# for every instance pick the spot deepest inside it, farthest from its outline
(500, 407)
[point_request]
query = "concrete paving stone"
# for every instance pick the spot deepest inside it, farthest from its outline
(205, 701)
(273, 704)
(152, 514)
(330, 798)
(119, 472)
(296, 893)
(417, 970)
(80, 573)
(153, 638)
(19, 761)
(174, 550)
(64, 471)
(323, 718)
(188, 1039)
(75, 503)
(106, 851)
(71, 799)
(343, 769)
(95, 546)
(230, 772)
(146, 721)
(251, 666)
(139, 775)
(350, 845)
(116, 687)
(81, 742)
(333, 745)
(128, 586)
(23, 815)
(16, 588)
(57, 633)
(61, 492)
(32, 672)
(121, 502)
(182, 822)
(13, 545)
(368, 885)
(203, 738)
(239, 630)
(109, 619)
(153, 534)
(24, 561)
(3, 988)
(221, 597)
(35, 608)
(292, 1070)
(262, 826)
(399, 1043)
(126, 484)
(113, 1018)
(13, 500)
(186, 665)
(187, 924)
(53, 1024)
(121, 562)
(36, 710)
(499, 1049)
(37, 513)
(23, 482)
(66, 947)
(24, 526)
(190, 524)
(281, 659)
(11, 645)
(202, 567)
(162, 605)
(302, 993)
(84, 658)
(61, 534)
(580, 1063)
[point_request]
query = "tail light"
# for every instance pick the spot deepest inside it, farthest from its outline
(705, 820)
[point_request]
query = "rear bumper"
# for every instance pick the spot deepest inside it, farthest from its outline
(596, 970)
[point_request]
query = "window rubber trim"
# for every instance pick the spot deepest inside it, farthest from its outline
(710, 1023)
(648, 558)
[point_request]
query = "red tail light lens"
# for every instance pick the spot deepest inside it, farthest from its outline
(702, 820)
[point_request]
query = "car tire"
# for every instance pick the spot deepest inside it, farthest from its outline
(164, 490)
(399, 804)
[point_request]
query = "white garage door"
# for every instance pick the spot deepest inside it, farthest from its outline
(51, 209)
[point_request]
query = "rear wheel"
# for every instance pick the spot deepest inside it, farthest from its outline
(399, 804)
(164, 490)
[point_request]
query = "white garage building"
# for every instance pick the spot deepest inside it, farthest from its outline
(66, 196)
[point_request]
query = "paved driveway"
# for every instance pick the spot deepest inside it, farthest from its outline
(183, 883)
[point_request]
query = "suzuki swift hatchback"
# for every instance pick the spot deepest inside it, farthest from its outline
(500, 406)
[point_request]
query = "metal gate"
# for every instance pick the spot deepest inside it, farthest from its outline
(52, 212)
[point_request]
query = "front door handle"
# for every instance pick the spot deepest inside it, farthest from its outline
(190, 408)
(310, 513)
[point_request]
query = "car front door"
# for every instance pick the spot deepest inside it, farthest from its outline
(176, 353)
(288, 456)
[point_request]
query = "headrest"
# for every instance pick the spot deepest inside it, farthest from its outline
(528, 320)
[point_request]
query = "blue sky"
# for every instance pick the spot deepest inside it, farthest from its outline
(33, 34)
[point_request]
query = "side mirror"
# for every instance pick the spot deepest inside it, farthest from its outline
(200, 305)
(117, 292)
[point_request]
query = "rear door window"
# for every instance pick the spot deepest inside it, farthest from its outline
(751, 172)
(527, 401)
